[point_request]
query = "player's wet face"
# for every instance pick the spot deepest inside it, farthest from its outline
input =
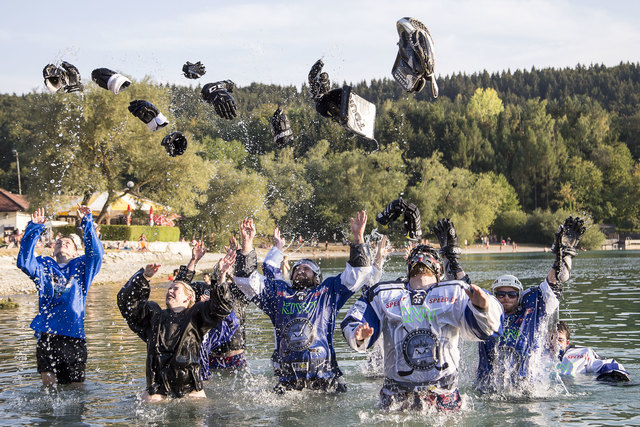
(177, 295)
(304, 276)
(64, 246)
(508, 297)
(562, 341)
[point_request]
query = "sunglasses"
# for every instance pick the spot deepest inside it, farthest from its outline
(501, 294)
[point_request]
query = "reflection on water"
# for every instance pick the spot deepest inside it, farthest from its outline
(601, 303)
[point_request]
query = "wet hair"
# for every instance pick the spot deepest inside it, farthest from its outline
(189, 291)
(564, 328)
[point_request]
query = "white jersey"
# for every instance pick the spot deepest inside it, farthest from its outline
(583, 360)
(421, 331)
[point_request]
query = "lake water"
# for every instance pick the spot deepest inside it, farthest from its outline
(601, 303)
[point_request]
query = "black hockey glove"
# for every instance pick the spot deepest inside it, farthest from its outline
(219, 95)
(281, 128)
(175, 143)
(148, 113)
(193, 71)
(73, 78)
(449, 248)
(565, 246)
(391, 212)
(319, 83)
(412, 222)
(110, 80)
(54, 78)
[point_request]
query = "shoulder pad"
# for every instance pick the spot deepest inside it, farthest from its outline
(383, 286)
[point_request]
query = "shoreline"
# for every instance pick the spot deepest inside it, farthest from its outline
(120, 265)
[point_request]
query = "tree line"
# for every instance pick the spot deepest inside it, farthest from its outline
(504, 153)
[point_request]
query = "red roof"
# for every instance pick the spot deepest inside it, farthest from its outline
(10, 202)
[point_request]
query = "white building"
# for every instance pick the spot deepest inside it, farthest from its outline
(13, 212)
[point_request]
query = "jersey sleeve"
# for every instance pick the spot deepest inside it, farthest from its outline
(360, 313)
(271, 264)
(551, 303)
(27, 260)
(93, 252)
(480, 325)
(135, 307)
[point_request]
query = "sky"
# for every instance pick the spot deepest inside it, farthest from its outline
(278, 41)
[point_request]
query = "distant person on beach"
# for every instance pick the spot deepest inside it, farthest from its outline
(507, 361)
(144, 242)
(422, 318)
(62, 283)
(174, 335)
(206, 278)
(576, 360)
(303, 312)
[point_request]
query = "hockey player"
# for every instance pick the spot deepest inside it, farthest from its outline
(304, 311)
(422, 319)
(583, 360)
(505, 362)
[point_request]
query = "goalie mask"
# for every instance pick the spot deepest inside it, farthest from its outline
(415, 62)
(425, 256)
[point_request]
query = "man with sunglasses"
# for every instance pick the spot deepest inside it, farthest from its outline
(505, 362)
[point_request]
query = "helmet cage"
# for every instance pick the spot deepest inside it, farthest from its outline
(429, 257)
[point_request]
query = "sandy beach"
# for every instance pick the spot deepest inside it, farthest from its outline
(119, 265)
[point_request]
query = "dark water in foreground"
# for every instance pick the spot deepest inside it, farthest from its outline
(601, 302)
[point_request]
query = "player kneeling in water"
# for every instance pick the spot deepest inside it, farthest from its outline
(421, 319)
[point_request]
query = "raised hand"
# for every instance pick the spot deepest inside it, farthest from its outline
(565, 246)
(225, 263)
(358, 225)
(38, 216)
(198, 250)
(233, 245)
(278, 242)
(448, 238)
(478, 297)
(150, 270)
(446, 233)
(83, 211)
(363, 332)
(247, 231)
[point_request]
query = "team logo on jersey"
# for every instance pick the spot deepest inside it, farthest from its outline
(420, 349)
(298, 334)
(418, 298)
(59, 286)
(566, 367)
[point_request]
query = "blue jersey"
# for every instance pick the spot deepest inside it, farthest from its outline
(217, 336)
(304, 319)
(523, 334)
(62, 290)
